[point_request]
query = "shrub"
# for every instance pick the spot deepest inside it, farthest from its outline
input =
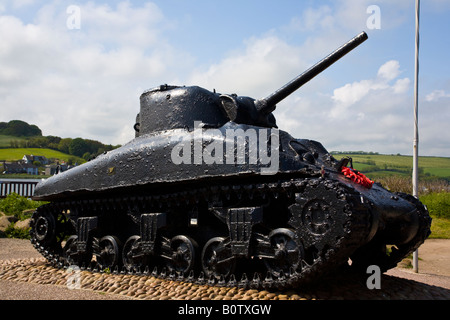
(438, 204)
(17, 233)
(15, 204)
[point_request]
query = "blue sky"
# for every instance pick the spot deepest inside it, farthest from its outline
(85, 80)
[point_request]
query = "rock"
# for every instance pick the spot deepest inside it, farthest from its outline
(340, 287)
(28, 212)
(4, 223)
(22, 224)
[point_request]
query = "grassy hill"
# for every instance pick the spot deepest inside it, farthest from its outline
(15, 154)
(378, 165)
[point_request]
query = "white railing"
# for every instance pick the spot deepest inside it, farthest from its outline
(23, 187)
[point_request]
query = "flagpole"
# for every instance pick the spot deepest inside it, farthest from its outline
(415, 176)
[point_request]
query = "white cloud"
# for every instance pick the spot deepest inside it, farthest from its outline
(402, 85)
(124, 25)
(254, 70)
(352, 93)
(16, 4)
(436, 95)
(84, 83)
(314, 18)
(389, 71)
(370, 114)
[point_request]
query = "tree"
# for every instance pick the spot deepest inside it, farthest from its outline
(64, 145)
(19, 128)
(78, 147)
(38, 142)
(37, 163)
(53, 142)
(14, 143)
(87, 156)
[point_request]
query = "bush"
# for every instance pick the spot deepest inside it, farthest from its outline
(438, 204)
(12, 232)
(14, 205)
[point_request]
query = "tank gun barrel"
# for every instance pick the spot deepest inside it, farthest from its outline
(268, 104)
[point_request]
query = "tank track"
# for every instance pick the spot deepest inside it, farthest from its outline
(325, 223)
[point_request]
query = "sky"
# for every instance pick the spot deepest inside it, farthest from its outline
(77, 68)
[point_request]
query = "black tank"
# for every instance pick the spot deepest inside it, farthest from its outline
(210, 190)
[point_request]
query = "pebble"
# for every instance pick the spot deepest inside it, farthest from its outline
(147, 287)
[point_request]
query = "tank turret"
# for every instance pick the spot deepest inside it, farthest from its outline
(177, 107)
(169, 107)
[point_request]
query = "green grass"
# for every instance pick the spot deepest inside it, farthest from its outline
(438, 172)
(378, 165)
(13, 154)
(440, 228)
(438, 204)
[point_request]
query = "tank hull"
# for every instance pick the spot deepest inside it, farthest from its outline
(181, 156)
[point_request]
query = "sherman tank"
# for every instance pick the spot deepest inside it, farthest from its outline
(210, 190)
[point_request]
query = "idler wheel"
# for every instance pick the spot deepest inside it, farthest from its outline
(217, 258)
(44, 228)
(183, 254)
(109, 252)
(287, 253)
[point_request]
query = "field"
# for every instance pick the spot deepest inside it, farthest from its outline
(17, 154)
(377, 165)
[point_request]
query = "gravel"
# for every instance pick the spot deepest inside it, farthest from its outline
(25, 275)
